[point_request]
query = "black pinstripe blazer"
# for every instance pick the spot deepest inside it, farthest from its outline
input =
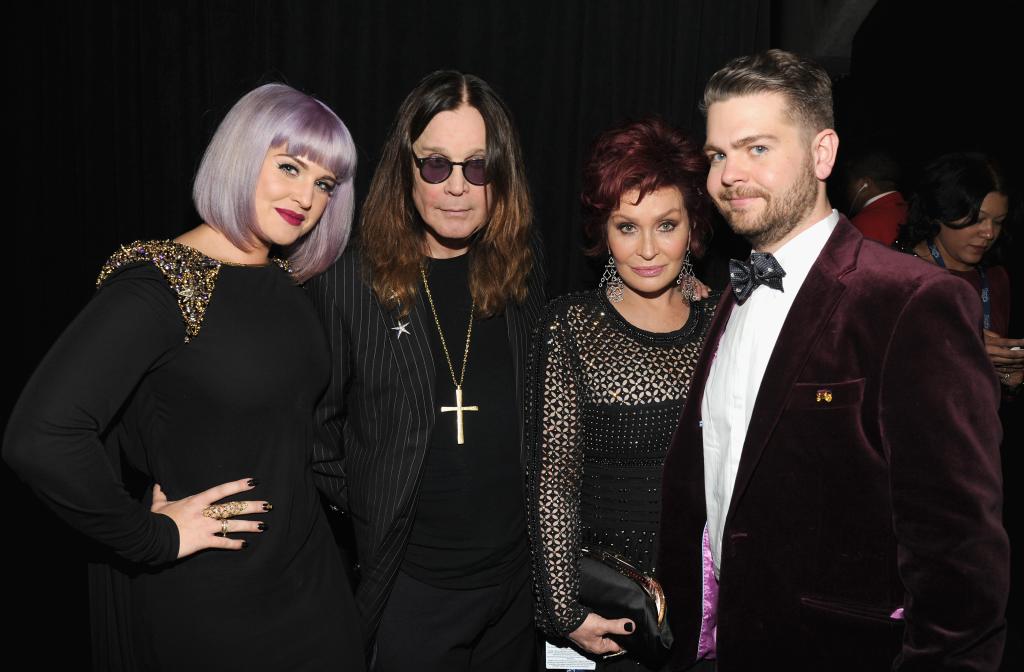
(376, 417)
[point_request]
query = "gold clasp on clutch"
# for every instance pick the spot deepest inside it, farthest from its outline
(650, 585)
(823, 395)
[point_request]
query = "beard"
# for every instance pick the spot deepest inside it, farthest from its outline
(781, 214)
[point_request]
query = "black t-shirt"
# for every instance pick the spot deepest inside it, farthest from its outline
(470, 526)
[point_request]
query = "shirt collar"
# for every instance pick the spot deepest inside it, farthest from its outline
(875, 198)
(798, 255)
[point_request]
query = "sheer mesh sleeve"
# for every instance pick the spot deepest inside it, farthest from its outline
(554, 477)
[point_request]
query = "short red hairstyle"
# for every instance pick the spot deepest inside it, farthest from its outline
(646, 155)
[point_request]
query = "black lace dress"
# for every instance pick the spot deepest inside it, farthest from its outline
(604, 400)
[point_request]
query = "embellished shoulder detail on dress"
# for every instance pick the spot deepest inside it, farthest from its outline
(190, 274)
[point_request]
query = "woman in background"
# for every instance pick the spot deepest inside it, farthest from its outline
(610, 370)
(955, 221)
(199, 361)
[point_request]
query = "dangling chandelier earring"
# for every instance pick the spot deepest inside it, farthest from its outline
(611, 281)
(687, 281)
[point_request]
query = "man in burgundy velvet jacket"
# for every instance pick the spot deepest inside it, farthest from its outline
(831, 498)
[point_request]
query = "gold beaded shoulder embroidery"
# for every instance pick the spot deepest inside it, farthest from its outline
(190, 274)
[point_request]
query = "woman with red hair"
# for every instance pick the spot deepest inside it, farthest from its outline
(609, 374)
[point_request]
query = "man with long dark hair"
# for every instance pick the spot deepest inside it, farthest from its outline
(421, 440)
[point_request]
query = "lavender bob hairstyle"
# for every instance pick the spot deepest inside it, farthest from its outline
(270, 116)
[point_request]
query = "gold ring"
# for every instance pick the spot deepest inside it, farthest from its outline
(224, 527)
(222, 511)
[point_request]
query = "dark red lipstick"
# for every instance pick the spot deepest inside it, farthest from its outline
(293, 218)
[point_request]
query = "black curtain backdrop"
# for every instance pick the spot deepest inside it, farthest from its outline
(114, 103)
(123, 98)
(117, 100)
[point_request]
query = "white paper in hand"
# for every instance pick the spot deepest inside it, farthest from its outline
(565, 658)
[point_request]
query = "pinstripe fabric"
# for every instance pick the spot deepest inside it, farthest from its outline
(377, 415)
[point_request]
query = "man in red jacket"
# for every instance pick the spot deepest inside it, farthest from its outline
(876, 207)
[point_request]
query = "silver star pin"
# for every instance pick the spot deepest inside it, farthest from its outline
(402, 328)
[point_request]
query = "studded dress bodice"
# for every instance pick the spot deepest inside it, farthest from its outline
(604, 400)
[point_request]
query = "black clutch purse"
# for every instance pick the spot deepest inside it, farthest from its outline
(613, 588)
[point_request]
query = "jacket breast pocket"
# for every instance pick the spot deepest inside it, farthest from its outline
(825, 396)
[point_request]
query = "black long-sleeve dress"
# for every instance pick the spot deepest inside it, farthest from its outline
(192, 372)
(604, 400)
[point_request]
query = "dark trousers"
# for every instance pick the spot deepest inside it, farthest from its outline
(430, 629)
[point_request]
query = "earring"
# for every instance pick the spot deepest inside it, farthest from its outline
(687, 281)
(611, 281)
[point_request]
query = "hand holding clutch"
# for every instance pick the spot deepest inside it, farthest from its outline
(592, 635)
(611, 586)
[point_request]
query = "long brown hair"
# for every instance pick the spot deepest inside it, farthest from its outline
(391, 237)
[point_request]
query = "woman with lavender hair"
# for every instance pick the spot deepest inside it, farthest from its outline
(172, 421)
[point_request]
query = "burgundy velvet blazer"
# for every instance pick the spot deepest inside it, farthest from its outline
(886, 497)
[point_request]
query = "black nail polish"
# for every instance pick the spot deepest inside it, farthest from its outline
(245, 544)
(262, 527)
(629, 627)
(267, 506)
(253, 482)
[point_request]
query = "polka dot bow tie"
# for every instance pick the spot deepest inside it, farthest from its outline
(763, 269)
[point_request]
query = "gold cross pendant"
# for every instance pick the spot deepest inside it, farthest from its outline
(459, 408)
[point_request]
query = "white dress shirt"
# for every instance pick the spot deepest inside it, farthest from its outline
(735, 377)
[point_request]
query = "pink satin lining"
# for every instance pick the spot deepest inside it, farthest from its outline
(707, 641)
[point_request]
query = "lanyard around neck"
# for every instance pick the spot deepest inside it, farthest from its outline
(986, 300)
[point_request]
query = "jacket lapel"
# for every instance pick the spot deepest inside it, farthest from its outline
(690, 419)
(810, 313)
(518, 337)
(414, 359)
(725, 305)
(520, 320)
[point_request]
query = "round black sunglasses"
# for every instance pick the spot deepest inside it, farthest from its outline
(437, 169)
